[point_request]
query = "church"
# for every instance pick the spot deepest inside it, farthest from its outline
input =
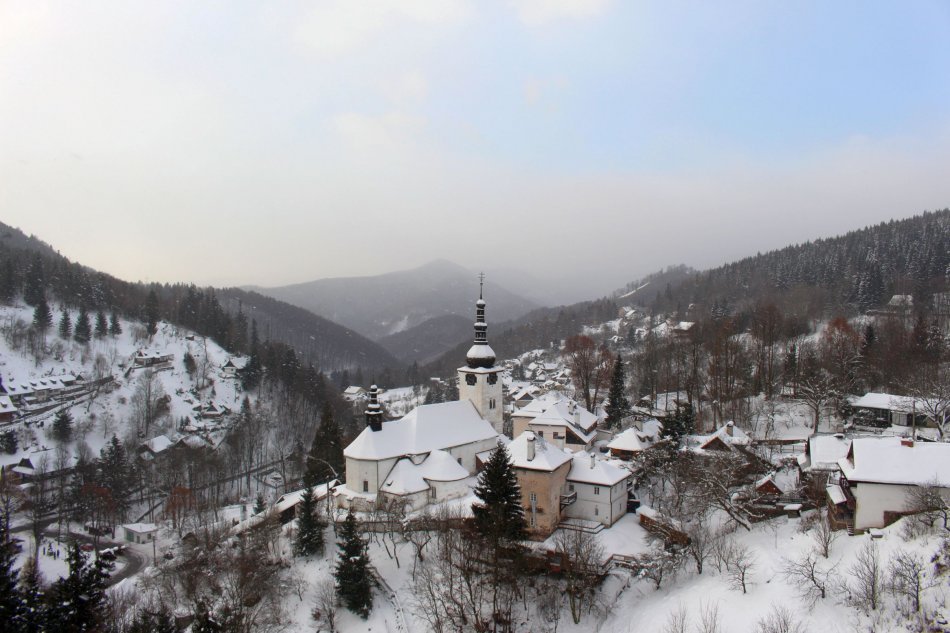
(428, 454)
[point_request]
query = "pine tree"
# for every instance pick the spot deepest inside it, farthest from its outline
(8, 442)
(260, 504)
(11, 600)
(77, 602)
(618, 407)
(8, 282)
(680, 424)
(500, 515)
(65, 326)
(42, 316)
(83, 331)
(115, 473)
(102, 327)
(354, 585)
(151, 313)
(63, 426)
(34, 284)
(114, 327)
(327, 446)
(309, 525)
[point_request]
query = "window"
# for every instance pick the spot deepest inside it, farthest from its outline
(492, 379)
(596, 511)
(460, 461)
(540, 433)
(432, 493)
(570, 487)
(365, 486)
(534, 497)
(596, 490)
(470, 379)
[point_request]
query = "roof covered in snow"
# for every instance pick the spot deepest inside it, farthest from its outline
(158, 444)
(6, 405)
(547, 456)
(886, 401)
(407, 477)
(892, 460)
(824, 451)
(632, 440)
(426, 428)
(587, 469)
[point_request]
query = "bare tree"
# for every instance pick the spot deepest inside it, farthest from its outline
(929, 386)
(582, 558)
(813, 581)
(930, 505)
(701, 543)
(677, 620)
(659, 564)
(742, 562)
(906, 576)
(325, 603)
(550, 601)
(709, 620)
(823, 535)
(146, 401)
(867, 577)
(779, 620)
(590, 366)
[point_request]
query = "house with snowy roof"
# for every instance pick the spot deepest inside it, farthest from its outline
(151, 358)
(884, 409)
(822, 453)
(878, 475)
(599, 489)
(725, 438)
(542, 469)
(231, 368)
(353, 393)
(557, 419)
(17, 391)
(429, 453)
(635, 439)
(8, 410)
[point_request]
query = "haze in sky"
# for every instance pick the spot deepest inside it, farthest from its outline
(268, 143)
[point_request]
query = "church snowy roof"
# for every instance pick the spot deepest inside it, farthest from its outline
(407, 478)
(424, 429)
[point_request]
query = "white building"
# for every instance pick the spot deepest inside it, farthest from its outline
(879, 473)
(429, 453)
(601, 490)
(559, 420)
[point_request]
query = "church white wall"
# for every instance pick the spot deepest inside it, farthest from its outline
(373, 472)
(468, 452)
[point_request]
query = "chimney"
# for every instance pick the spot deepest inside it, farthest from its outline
(530, 446)
(592, 460)
(374, 414)
(906, 441)
(577, 417)
(729, 427)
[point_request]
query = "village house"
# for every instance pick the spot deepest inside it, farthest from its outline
(231, 368)
(559, 420)
(152, 358)
(822, 452)
(639, 437)
(354, 393)
(725, 438)
(884, 409)
(8, 410)
(878, 475)
(542, 471)
(600, 490)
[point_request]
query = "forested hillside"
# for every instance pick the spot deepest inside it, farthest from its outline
(846, 274)
(28, 264)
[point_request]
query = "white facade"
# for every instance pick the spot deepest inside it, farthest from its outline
(604, 504)
(873, 500)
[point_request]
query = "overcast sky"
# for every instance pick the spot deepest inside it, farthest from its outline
(274, 142)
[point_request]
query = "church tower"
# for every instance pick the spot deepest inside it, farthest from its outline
(480, 379)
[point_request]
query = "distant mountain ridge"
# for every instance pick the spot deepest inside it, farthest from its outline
(384, 305)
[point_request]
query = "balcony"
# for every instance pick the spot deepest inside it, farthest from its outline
(568, 499)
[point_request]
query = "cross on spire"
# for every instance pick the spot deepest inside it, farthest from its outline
(481, 284)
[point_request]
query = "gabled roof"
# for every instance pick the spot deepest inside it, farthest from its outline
(737, 438)
(630, 440)
(599, 473)
(886, 401)
(547, 456)
(891, 460)
(158, 444)
(824, 451)
(6, 405)
(426, 428)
